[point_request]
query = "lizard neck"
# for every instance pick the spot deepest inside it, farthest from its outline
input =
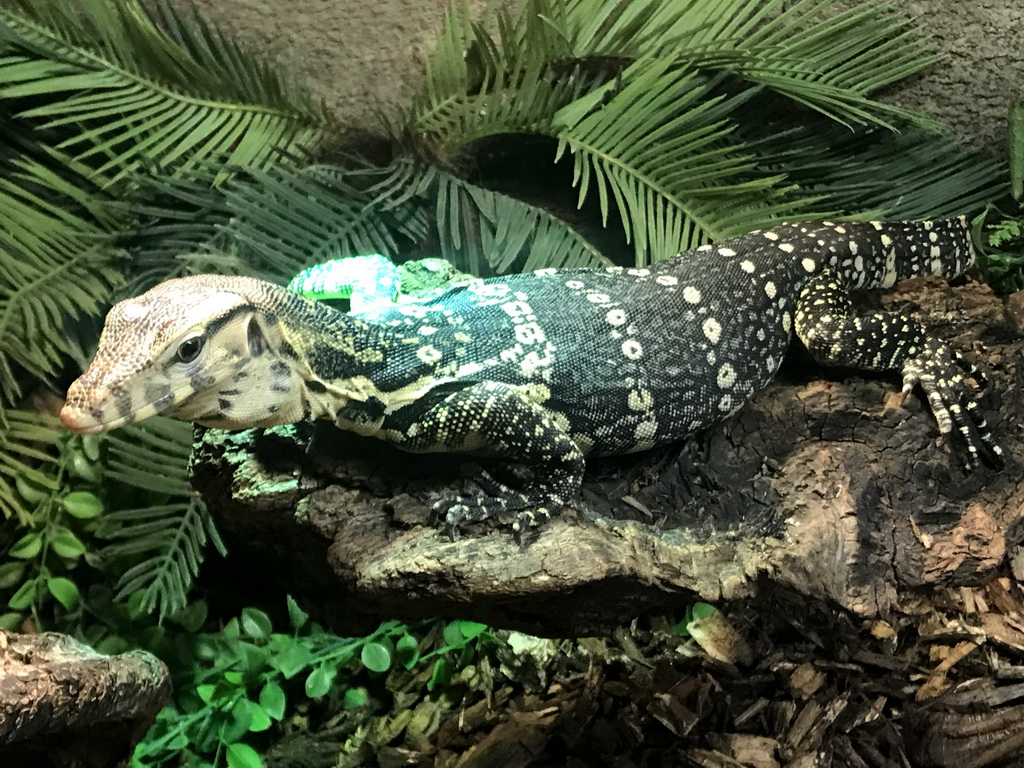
(351, 371)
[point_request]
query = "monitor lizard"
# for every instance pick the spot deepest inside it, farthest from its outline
(541, 369)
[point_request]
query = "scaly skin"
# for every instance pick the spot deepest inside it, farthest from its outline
(541, 369)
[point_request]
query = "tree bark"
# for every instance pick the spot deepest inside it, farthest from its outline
(822, 486)
(64, 705)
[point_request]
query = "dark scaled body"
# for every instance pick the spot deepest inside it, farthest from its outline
(546, 368)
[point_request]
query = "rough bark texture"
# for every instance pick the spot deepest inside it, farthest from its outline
(64, 705)
(820, 487)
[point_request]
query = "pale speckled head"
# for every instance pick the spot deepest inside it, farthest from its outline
(202, 348)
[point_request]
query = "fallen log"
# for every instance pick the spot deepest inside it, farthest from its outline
(64, 704)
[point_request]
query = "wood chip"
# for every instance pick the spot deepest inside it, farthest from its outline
(748, 750)
(805, 680)
(936, 682)
(720, 640)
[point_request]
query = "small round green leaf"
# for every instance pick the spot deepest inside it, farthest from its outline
(272, 699)
(63, 590)
(319, 682)
(260, 719)
(66, 544)
(27, 547)
(355, 698)
(11, 574)
(471, 629)
(291, 660)
(296, 615)
(91, 446)
(10, 621)
(440, 675)
(241, 717)
(25, 595)
(192, 617)
(407, 651)
(453, 633)
(702, 611)
(256, 624)
(30, 491)
(81, 467)
(243, 756)
(82, 504)
(376, 657)
(206, 692)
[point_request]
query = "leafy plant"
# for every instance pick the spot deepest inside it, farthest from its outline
(246, 678)
(1002, 234)
(159, 543)
(61, 494)
(90, 94)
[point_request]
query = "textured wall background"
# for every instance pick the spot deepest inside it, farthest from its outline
(359, 55)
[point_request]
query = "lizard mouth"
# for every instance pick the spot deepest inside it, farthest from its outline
(95, 419)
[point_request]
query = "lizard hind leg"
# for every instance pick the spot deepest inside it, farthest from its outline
(887, 341)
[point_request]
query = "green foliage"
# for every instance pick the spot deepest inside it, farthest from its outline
(694, 612)
(677, 115)
(1002, 252)
(91, 93)
(248, 679)
(58, 500)
(129, 487)
(158, 544)
(135, 93)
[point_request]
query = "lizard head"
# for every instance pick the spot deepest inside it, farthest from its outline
(204, 348)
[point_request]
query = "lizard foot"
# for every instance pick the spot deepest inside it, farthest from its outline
(486, 497)
(951, 383)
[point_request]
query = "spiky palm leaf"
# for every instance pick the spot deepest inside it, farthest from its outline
(136, 94)
(813, 51)
(485, 232)
(56, 264)
(25, 437)
(164, 540)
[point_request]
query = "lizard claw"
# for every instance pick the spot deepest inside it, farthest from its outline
(943, 375)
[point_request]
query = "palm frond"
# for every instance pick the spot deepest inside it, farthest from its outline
(910, 175)
(285, 220)
(24, 439)
(132, 94)
(661, 148)
(811, 51)
(476, 87)
(56, 264)
(485, 232)
(165, 541)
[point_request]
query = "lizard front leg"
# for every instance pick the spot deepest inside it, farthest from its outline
(884, 341)
(493, 419)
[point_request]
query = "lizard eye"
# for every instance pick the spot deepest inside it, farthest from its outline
(189, 349)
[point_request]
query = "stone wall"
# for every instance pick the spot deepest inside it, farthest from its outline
(359, 56)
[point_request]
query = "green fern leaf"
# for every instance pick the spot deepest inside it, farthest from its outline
(165, 540)
(56, 264)
(25, 437)
(484, 232)
(132, 94)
